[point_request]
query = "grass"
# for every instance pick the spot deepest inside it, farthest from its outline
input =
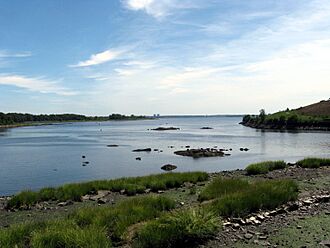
(313, 162)
(87, 227)
(184, 228)
(131, 186)
(222, 186)
(259, 195)
(237, 197)
(117, 219)
(265, 167)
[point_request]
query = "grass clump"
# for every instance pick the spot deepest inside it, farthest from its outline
(258, 195)
(222, 186)
(132, 186)
(117, 219)
(70, 235)
(183, 228)
(313, 162)
(94, 227)
(265, 167)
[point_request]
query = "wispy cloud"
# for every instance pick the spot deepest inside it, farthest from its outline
(39, 84)
(160, 8)
(6, 54)
(100, 58)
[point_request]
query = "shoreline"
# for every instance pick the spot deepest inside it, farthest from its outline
(284, 128)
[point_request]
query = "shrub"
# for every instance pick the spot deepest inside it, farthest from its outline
(313, 162)
(132, 186)
(222, 186)
(258, 195)
(265, 167)
(179, 229)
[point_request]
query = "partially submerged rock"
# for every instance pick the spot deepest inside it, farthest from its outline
(113, 145)
(165, 128)
(199, 153)
(142, 150)
(206, 127)
(169, 167)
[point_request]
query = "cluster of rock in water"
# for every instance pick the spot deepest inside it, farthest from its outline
(201, 152)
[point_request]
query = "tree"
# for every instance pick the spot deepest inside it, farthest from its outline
(262, 114)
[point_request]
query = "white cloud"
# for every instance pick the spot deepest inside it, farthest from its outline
(40, 84)
(100, 58)
(160, 8)
(5, 54)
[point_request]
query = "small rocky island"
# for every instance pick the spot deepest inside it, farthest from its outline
(201, 152)
(165, 128)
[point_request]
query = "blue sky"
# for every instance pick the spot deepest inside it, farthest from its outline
(163, 56)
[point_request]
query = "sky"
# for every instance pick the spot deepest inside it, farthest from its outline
(163, 56)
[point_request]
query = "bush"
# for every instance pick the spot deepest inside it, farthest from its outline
(221, 186)
(265, 167)
(132, 186)
(183, 228)
(313, 162)
(258, 195)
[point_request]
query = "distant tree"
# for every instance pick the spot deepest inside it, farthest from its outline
(262, 114)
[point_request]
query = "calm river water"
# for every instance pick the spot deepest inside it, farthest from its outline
(35, 157)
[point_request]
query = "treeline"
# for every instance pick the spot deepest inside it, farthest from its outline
(286, 120)
(18, 118)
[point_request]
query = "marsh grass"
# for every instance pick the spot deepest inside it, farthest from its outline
(265, 167)
(184, 228)
(313, 162)
(222, 186)
(87, 227)
(118, 218)
(132, 186)
(258, 195)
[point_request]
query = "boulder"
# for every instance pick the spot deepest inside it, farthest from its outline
(169, 167)
(165, 128)
(142, 150)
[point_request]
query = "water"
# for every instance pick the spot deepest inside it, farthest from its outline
(35, 157)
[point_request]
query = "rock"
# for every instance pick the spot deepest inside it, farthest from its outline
(307, 202)
(156, 150)
(169, 167)
(244, 149)
(206, 128)
(100, 194)
(160, 191)
(299, 227)
(187, 146)
(147, 191)
(236, 225)
(248, 236)
(292, 206)
(112, 145)
(83, 156)
(260, 217)
(181, 203)
(122, 191)
(142, 150)
(325, 243)
(165, 128)
(102, 201)
(262, 237)
(227, 223)
(138, 158)
(198, 153)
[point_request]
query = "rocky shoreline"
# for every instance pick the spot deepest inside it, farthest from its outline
(258, 229)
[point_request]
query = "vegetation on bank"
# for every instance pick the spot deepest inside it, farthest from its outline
(183, 228)
(87, 227)
(265, 167)
(130, 186)
(18, 118)
(152, 221)
(313, 162)
(290, 119)
(245, 197)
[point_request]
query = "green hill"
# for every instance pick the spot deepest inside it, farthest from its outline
(312, 117)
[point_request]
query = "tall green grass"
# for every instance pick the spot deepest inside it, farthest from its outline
(265, 167)
(313, 162)
(222, 186)
(117, 219)
(87, 227)
(258, 195)
(183, 228)
(132, 186)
